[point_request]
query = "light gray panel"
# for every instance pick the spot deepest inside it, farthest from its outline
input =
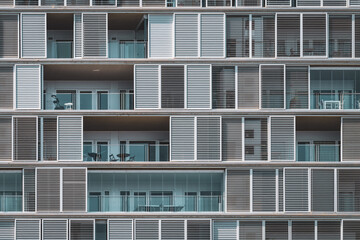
(146, 229)
(6, 229)
(74, 190)
(33, 34)
(48, 189)
(5, 139)
(146, 86)
(282, 138)
(208, 138)
(160, 35)
(70, 138)
(186, 35)
(173, 229)
(198, 87)
(28, 89)
(55, 229)
(350, 139)
(296, 190)
(238, 190)
(94, 35)
(120, 229)
(182, 138)
(224, 230)
(212, 35)
(28, 229)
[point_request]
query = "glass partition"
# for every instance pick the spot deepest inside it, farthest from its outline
(10, 191)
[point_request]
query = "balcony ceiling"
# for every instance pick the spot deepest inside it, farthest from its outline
(124, 21)
(60, 21)
(318, 123)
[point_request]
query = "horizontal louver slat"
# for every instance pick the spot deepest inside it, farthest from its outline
(55, 229)
(231, 139)
(28, 229)
(238, 190)
(74, 190)
(198, 86)
(120, 229)
(282, 138)
(25, 139)
(182, 138)
(186, 35)
(94, 35)
(208, 138)
(48, 190)
(146, 86)
(70, 138)
(33, 35)
(212, 35)
(160, 36)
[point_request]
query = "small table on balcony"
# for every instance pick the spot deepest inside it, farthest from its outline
(122, 156)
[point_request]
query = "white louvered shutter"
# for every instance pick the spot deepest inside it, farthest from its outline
(351, 230)
(225, 230)
(276, 230)
(288, 35)
(6, 229)
(78, 35)
(33, 34)
(237, 36)
(182, 139)
(223, 87)
(9, 39)
(161, 35)
(231, 139)
(74, 189)
(248, 87)
(283, 138)
(82, 229)
(314, 35)
(208, 138)
(264, 190)
(348, 193)
(146, 86)
(328, 230)
(350, 139)
(296, 190)
(146, 229)
(256, 139)
(186, 35)
(55, 229)
(28, 230)
(24, 139)
(198, 86)
(263, 36)
(198, 230)
(48, 189)
(5, 138)
(272, 86)
(29, 190)
(6, 87)
(340, 36)
(28, 86)
(173, 229)
(238, 190)
(70, 131)
(250, 230)
(297, 87)
(322, 190)
(120, 229)
(303, 230)
(95, 35)
(212, 43)
(172, 86)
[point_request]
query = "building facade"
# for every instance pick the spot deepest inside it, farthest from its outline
(180, 119)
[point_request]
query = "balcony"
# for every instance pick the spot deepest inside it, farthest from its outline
(318, 152)
(328, 99)
(11, 191)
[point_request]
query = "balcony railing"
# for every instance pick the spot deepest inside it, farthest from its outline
(10, 203)
(335, 101)
(324, 152)
(133, 152)
(155, 203)
(89, 101)
(127, 49)
(60, 49)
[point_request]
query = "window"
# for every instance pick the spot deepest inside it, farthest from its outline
(85, 100)
(223, 87)
(103, 151)
(263, 36)
(103, 100)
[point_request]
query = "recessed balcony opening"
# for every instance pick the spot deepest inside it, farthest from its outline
(126, 139)
(88, 87)
(60, 35)
(127, 35)
(11, 191)
(318, 139)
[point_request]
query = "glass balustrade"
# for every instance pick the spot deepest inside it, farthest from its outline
(10, 203)
(127, 49)
(342, 100)
(321, 152)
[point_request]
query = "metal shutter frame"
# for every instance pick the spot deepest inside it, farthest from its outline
(48, 189)
(208, 145)
(173, 229)
(282, 138)
(264, 190)
(95, 35)
(212, 34)
(272, 85)
(74, 189)
(248, 87)
(296, 192)
(25, 147)
(186, 35)
(9, 39)
(146, 229)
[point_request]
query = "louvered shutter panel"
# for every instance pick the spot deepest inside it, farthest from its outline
(49, 139)
(212, 35)
(81, 229)
(276, 230)
(198, 229)
(281, 189)
(28, 229)
(5, 139)
(297, 91)
(28, 86)
(263, 36)
(172, 86)
(256, 137)
(225, 230)
(303, 230)
(250, 230)
(282, 138)
(29, 190)
(218, 3)
(231, 139)
(314, 34)
(78, 35)
(25, 139)
(354, 3)
(27, 2)
(249, 3)
(272, 86)
(6, 86)
(153, 3)
(182, 138)
(237, 36)
(308, 3)
(33, 33)
(322, 190)
(340, 35)
(328, 230)
(288, 35)
(223, 87)
(7, 3)
(77, 2)
(94, 35)
(74, 190)
(350, 139)
(296, 190)
(70, 132)
(264, 190)
(146, 229)
(351, 230)
(120, 229)
(208, 138)
(161, 35)
(348, 193)
(186, 35)
(128, 3)
(238, 190)
(173, 229)
(198, 86)
(55, 229)
(48, 189)
(52, 2)
(146, 86)
(278, 3)
(248, 87)
(357, 34)
(9, 38)
(6, 229)
(334, 3)
(103, 3)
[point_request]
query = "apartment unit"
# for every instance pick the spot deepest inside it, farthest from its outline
(179, 119)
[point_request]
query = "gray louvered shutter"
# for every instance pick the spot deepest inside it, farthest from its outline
(28, 229)
(263, 36)
(282, 138)
(128, 3)
(52, 2)
(29, 190)
(146, 86)
(303, 230)
(94, 35)
(276, 230)
(272, 86)
(172, 86)
(322, 190)
(27, 2)
(296, 190)
(9, 38)
(74, 189)
(357, 33)
(182, 139)
(314, 34)
(250, 230)
(308, 3)
(348, 193)
(351, 230)
(264, 190)
(212, 43)
(256, 137)
(288, 35)
(225, 230)
(350, 139)
(334, 3)
(28, 86)
(55, 229)
(120, 229)
(33, 33)
(340, 35)
(48, 189)
(248, 87)
(223, 87)
(146, 229)
(49, 138)
(281, 189)
(6, 229)
(231, 139)
(278, 3)
(186, 35)
(6, 86)
(198, 86)
(297, 87)
(161, 35)
(173, 229)
(328, 230)
(70, 132)
(208, 138)
(25, 139)
(198, 230)
(81, 229)
(103, 3)
(238, 190)
(78, 2)
(153, 3)
(249, 3)
(78, 35)
(237, 36)
(5, 138)
(354, 3)
(7, 3)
